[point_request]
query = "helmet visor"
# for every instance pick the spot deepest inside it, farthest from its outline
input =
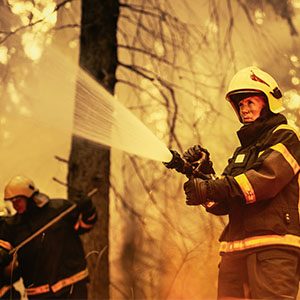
(237, 96)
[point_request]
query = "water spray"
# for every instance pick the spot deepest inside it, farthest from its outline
(65, 98)
(101, 118)
(91, 113)
(97, 115)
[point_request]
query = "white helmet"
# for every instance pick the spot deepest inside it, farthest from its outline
(23, 186)
(19, 186)
(252, 80)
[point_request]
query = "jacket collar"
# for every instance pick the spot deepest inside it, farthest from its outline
(249, 133)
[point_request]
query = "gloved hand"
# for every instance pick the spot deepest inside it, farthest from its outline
(194, 153)
(84, 202)
(176, 162)
(196, 191)
(5, 258)
(11, 272)
(200, 155)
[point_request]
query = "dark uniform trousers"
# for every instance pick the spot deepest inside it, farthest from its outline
(268, 274)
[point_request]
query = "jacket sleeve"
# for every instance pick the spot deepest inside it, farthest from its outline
(5, 257)
(5, 243)
(274, 168)
(87, 215)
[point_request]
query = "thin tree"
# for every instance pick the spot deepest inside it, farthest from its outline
(89, 164)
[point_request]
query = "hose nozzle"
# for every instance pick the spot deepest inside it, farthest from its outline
(179, 164)
(201, 168)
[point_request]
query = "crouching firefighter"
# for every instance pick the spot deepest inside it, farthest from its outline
(259, 191)
(51, 259)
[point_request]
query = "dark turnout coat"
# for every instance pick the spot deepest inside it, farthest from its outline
(55, 258)
(260, 188)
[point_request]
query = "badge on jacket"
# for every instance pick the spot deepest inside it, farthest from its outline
(240, 158)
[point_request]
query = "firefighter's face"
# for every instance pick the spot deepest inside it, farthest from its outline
(20, 204)
(250, 108)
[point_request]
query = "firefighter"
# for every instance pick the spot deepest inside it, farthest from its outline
(8, 270)
(52, 264)
(259, 190)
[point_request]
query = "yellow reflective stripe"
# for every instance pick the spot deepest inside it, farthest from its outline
(6, 245)
(260, 153)
(259, 241)
(38, 290)
(288, 127)
(246, 188)
(287, 155)
(282, 126)
(70, 280)
(58, 285)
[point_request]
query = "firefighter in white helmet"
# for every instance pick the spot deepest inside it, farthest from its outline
(52, 264)
(21, 188)
(259, 190)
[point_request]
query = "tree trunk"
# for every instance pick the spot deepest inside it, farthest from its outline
(89, 163)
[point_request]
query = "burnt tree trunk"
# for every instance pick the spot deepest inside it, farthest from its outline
(89, 163)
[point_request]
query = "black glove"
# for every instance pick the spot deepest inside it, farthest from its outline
(194, 153)
(196, 191)
(176, 162)
(179, 164)
(5, 258)
(84, 202)
(201, 156)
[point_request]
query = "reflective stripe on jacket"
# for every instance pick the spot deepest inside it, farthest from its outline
(42, 289)
(260, 188)
(3, 290)
(260, 241)
(6, 245)
(55, 258)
